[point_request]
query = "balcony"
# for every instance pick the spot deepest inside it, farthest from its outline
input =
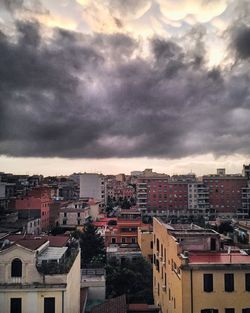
(61, 266)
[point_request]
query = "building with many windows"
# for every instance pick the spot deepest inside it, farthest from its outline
(192, 273)
(198, 198)
(161, 195)
(225, 193)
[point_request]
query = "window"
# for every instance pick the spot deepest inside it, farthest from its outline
(113, 240)
(16, 268)
(209, 311)
(247, 281)
(229, 310)
(49, 305)
(16, 305)
(123, 240)
(246, 310)
(157, 245)
(208, 282)
(229, 282)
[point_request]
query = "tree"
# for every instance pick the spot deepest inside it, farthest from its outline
(133, 278)
(92, 245)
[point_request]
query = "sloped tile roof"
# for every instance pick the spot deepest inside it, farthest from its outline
(115, 305)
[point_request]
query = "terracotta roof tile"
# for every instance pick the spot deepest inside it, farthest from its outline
(54, 241)
(32, 244)
(115, 305)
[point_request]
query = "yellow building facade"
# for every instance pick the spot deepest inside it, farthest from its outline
(145, 242)
(192, 274)
(36, 278)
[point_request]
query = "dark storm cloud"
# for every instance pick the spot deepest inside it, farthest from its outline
(11, 5)
(75, 95)
(241, 41)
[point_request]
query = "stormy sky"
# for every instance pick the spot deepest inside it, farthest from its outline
(129, 83)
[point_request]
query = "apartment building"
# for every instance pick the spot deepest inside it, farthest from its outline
(245, 192)
(192, 274)
(225, 193)
(198, 198)
(36, 277)
(74, 214)
(246, 171)
(161, 195)
(92, 186)
(35, 204)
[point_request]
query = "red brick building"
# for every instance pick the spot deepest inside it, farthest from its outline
(36, 203)
(225, 192)
(162, 195)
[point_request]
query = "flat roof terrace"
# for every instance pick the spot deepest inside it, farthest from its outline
(198, 257)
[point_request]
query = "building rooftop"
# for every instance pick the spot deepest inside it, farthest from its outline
(54, 241)
(115, 305)
(183, 227)
(199, 257)
(27, 241)
(52, 253)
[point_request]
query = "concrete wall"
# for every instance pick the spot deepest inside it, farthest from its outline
(91, 186)
(144, 241)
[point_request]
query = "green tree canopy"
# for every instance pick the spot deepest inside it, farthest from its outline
(133, 278)
(92, 245)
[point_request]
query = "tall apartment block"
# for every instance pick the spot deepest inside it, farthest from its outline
(161, 195)
(246, 171)
(92, 186)
(198, 198)
(225, 193)
(193, 274)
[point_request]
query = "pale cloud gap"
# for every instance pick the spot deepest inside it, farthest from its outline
(77, 95)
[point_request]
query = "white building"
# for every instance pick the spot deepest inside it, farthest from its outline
(198, 198)
(92, 186)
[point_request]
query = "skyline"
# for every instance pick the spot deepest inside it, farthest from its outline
(112, 86)
(160, 166)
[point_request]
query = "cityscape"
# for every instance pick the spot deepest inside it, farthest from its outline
(144, 242)
(124, 156)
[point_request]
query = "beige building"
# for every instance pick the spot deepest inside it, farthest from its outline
(192, 274)
(38, 278)
(74, 214)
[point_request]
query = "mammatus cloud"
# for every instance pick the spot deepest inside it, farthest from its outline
(80, 96)
(200, 10)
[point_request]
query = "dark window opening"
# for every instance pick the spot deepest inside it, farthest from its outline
(208, 282)
(229, 282)
(247, 281)
(16, 268)
(49, 305)
(15, 305)
(213, 244)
